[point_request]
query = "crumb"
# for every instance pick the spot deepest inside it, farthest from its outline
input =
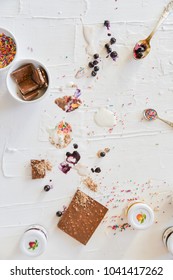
(90, 184)
(48, 165)
(81, 199)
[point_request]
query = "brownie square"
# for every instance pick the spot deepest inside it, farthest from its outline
(27, 86)
(31, 95)
(82, 217)
(22, 73)
(38, 168)
(38, 77)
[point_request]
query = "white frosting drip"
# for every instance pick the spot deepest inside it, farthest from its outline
(81, 169)
(88, 33)
(104, 117)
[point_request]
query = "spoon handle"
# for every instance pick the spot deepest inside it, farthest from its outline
(168, 9)
(167, 122)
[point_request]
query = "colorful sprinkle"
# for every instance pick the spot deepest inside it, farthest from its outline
(150, 114)
(7, 50)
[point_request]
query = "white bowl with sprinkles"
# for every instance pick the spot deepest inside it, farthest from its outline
(8, 49)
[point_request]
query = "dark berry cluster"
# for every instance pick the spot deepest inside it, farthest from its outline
(96, 170)
(94, 64)
(113, 54)
(139, 51)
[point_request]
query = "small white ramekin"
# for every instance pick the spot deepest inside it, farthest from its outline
(13, 88)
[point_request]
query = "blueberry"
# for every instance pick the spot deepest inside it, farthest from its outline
(98, 170)
(140, 49)
(93, 73)
(59, 213)
(112, 41)
(75, 146)
(109, 34)
(139, 55)
(95, 62)
(109, 50)
(68, 154)
(96, 68)
(46, 188)
(90, 64)
(107, 46)
(102, 154)
(114, 54)
(144, 47)
(96, 56)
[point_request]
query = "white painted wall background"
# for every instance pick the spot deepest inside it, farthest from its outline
(52, 31)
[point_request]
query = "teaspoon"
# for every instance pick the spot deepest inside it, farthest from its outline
(151, 114)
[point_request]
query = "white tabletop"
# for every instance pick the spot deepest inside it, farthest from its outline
(63, 35)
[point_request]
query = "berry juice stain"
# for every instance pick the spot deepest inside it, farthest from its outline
(73, 158)
(64, 167)
(107, 24)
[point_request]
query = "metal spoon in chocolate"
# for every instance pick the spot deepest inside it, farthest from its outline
(142, 48)
(151, 114)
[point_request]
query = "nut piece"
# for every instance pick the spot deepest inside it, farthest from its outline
(90, 184)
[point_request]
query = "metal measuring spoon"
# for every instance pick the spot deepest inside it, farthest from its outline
(142, 48)
(151, 114)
